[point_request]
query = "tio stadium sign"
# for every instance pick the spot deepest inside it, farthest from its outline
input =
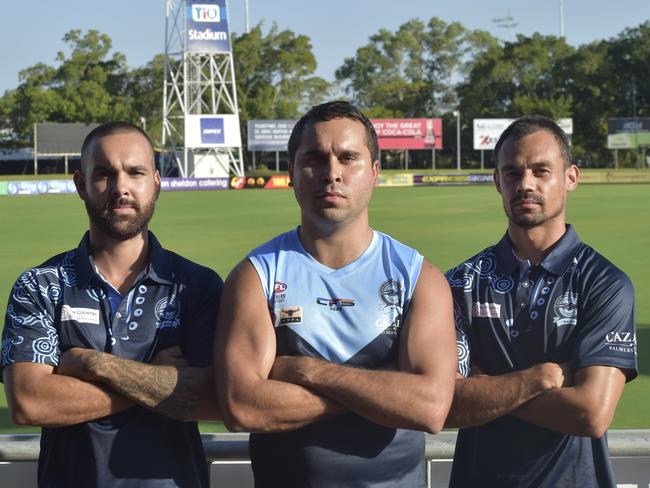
(207, 28)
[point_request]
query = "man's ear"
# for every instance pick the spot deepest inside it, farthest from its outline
(156, 177)
(495, 177)
(572, 177)
(80, 184)
(290, 171)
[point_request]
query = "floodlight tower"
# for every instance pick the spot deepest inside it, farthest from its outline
(507, 22)
(200, 130)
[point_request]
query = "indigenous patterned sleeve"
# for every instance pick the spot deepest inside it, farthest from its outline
(202, 318)
(460, 319)
(607, 334)
(29, 333)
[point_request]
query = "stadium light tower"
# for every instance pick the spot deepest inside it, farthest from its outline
(507, 22)
(200, 129)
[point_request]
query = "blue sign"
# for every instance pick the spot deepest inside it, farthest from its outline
(207, 26)
(212, 130)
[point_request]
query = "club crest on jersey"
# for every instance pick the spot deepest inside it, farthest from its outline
(390, 292)
(167, 311)
(290, 315)
(336, 304)
(566, 309)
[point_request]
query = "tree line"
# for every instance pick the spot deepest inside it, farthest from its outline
(422, 69)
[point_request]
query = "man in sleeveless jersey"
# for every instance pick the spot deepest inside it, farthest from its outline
(336, 346)
(83, 330)
(545, 330)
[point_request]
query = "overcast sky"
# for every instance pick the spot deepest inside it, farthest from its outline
(31, 32)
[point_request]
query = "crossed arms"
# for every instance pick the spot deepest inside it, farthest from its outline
(548, 395)
(260, 393)
(90, 384)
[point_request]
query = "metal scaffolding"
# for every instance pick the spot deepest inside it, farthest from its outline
(195, 83)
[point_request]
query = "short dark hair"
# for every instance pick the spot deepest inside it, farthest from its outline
(329, 111)
(107, 129)
(529, 124)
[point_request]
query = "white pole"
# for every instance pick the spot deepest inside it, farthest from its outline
(247, 18)
(561, 18)
(457, 114)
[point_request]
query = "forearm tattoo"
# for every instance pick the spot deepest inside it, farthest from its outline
(167, 390)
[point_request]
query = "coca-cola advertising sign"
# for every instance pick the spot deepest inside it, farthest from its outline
(409, 133)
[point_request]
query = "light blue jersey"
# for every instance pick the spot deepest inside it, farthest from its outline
(353, 316)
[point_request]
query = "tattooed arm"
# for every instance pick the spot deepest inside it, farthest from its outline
(177, 391)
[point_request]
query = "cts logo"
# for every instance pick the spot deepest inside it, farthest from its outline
(206, 12)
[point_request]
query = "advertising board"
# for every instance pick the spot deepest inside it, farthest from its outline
(408, 133)
(269, 135)
(488, 131)
(212, 131)
(206, 27)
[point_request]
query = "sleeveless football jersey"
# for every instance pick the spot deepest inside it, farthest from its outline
(353, 316)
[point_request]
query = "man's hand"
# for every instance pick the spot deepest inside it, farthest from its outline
(549, 375)
(292, 369)
(79, 363)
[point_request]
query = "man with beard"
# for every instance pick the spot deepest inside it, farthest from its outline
(545, 332)
(82, 329)
(337, 344)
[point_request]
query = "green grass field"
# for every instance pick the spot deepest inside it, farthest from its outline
(447, 224)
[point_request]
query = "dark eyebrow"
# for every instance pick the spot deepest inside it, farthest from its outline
(350, 153)
(539, 164)
(313, 153)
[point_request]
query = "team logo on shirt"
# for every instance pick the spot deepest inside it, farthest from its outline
(566, 309)
(390, 293)
(336, 304)
(290, 315)
(167, 311)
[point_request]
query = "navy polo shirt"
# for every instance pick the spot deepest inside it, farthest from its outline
(65, 303)
(575, 306)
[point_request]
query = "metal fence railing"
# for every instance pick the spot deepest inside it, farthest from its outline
(225, 449)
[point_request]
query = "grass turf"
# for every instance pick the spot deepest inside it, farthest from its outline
(447, 224)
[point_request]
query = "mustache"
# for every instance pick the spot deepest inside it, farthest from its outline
(122, 202)
(533, 197)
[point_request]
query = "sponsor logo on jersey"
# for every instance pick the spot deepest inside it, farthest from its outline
(390, 292)
(82, 315)
(336, 304)
(566, 309)
(488, 310)
(290, 315)
(621, 341)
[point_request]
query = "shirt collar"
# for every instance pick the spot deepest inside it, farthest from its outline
(159, 268)
(556, 261)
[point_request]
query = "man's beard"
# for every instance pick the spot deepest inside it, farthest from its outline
(120, 227)
(529, 220)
